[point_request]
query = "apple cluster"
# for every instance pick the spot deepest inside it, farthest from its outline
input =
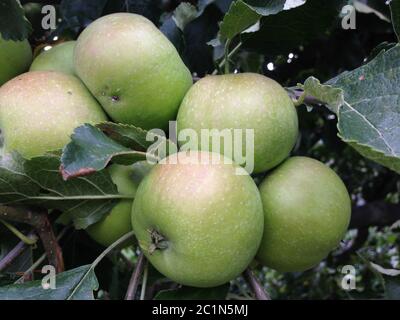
(200, 224)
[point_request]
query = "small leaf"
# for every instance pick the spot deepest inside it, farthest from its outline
(13, 23)
(332, 97)
(395, 11)
(75, 284)
(189, 293)
(90, 150)
(239, 17)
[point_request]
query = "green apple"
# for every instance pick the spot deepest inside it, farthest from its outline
(58, 58)
(307, 212)
(132, 69)
(39, 111)
(242, 101)
(15, 58)
(118, 222)
(199, 223)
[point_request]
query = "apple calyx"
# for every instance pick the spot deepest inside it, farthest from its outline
(158, 241)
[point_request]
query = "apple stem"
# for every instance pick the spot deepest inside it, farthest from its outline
(255, 285)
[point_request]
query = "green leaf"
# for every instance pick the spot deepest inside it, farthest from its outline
(134, 137)
(13, 23)
(189, 293)
(369, 120)
(38, 182)
(332, 97)
(239, 17)
(90, 150)
(75, 284)
(395, 12)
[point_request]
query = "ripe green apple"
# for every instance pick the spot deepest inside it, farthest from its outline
(15, 58)
(199, 223)
(132, 69)
(118, 222)
(59, 58)
(39, 111)
(307, 212)
(243, 101)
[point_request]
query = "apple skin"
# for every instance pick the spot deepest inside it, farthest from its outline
(113, 226)
(118, 222)
(210, 220)
(307, 212)
(132, 69)
(15, 58)
(59, 58)
(39, 111)
(244, 101)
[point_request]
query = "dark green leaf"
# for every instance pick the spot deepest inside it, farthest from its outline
(239, 17)
(75, 284)
(90, 150)
(38, 182)
(369, 120)
(189, 293)
(133, 137)
(13, 23)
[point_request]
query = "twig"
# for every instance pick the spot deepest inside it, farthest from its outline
(144, 281)
(15, 252)
(40, 260)
(18, 233)
(134, 282)
(222, 63)
(299, 97)
(257, 288)
(42, 225)
(50, 244)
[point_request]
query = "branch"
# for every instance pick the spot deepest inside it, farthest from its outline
(42, 225)
(134, 282)
(15, 252)
(298, 96)
(255, 285)
(50, 244)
